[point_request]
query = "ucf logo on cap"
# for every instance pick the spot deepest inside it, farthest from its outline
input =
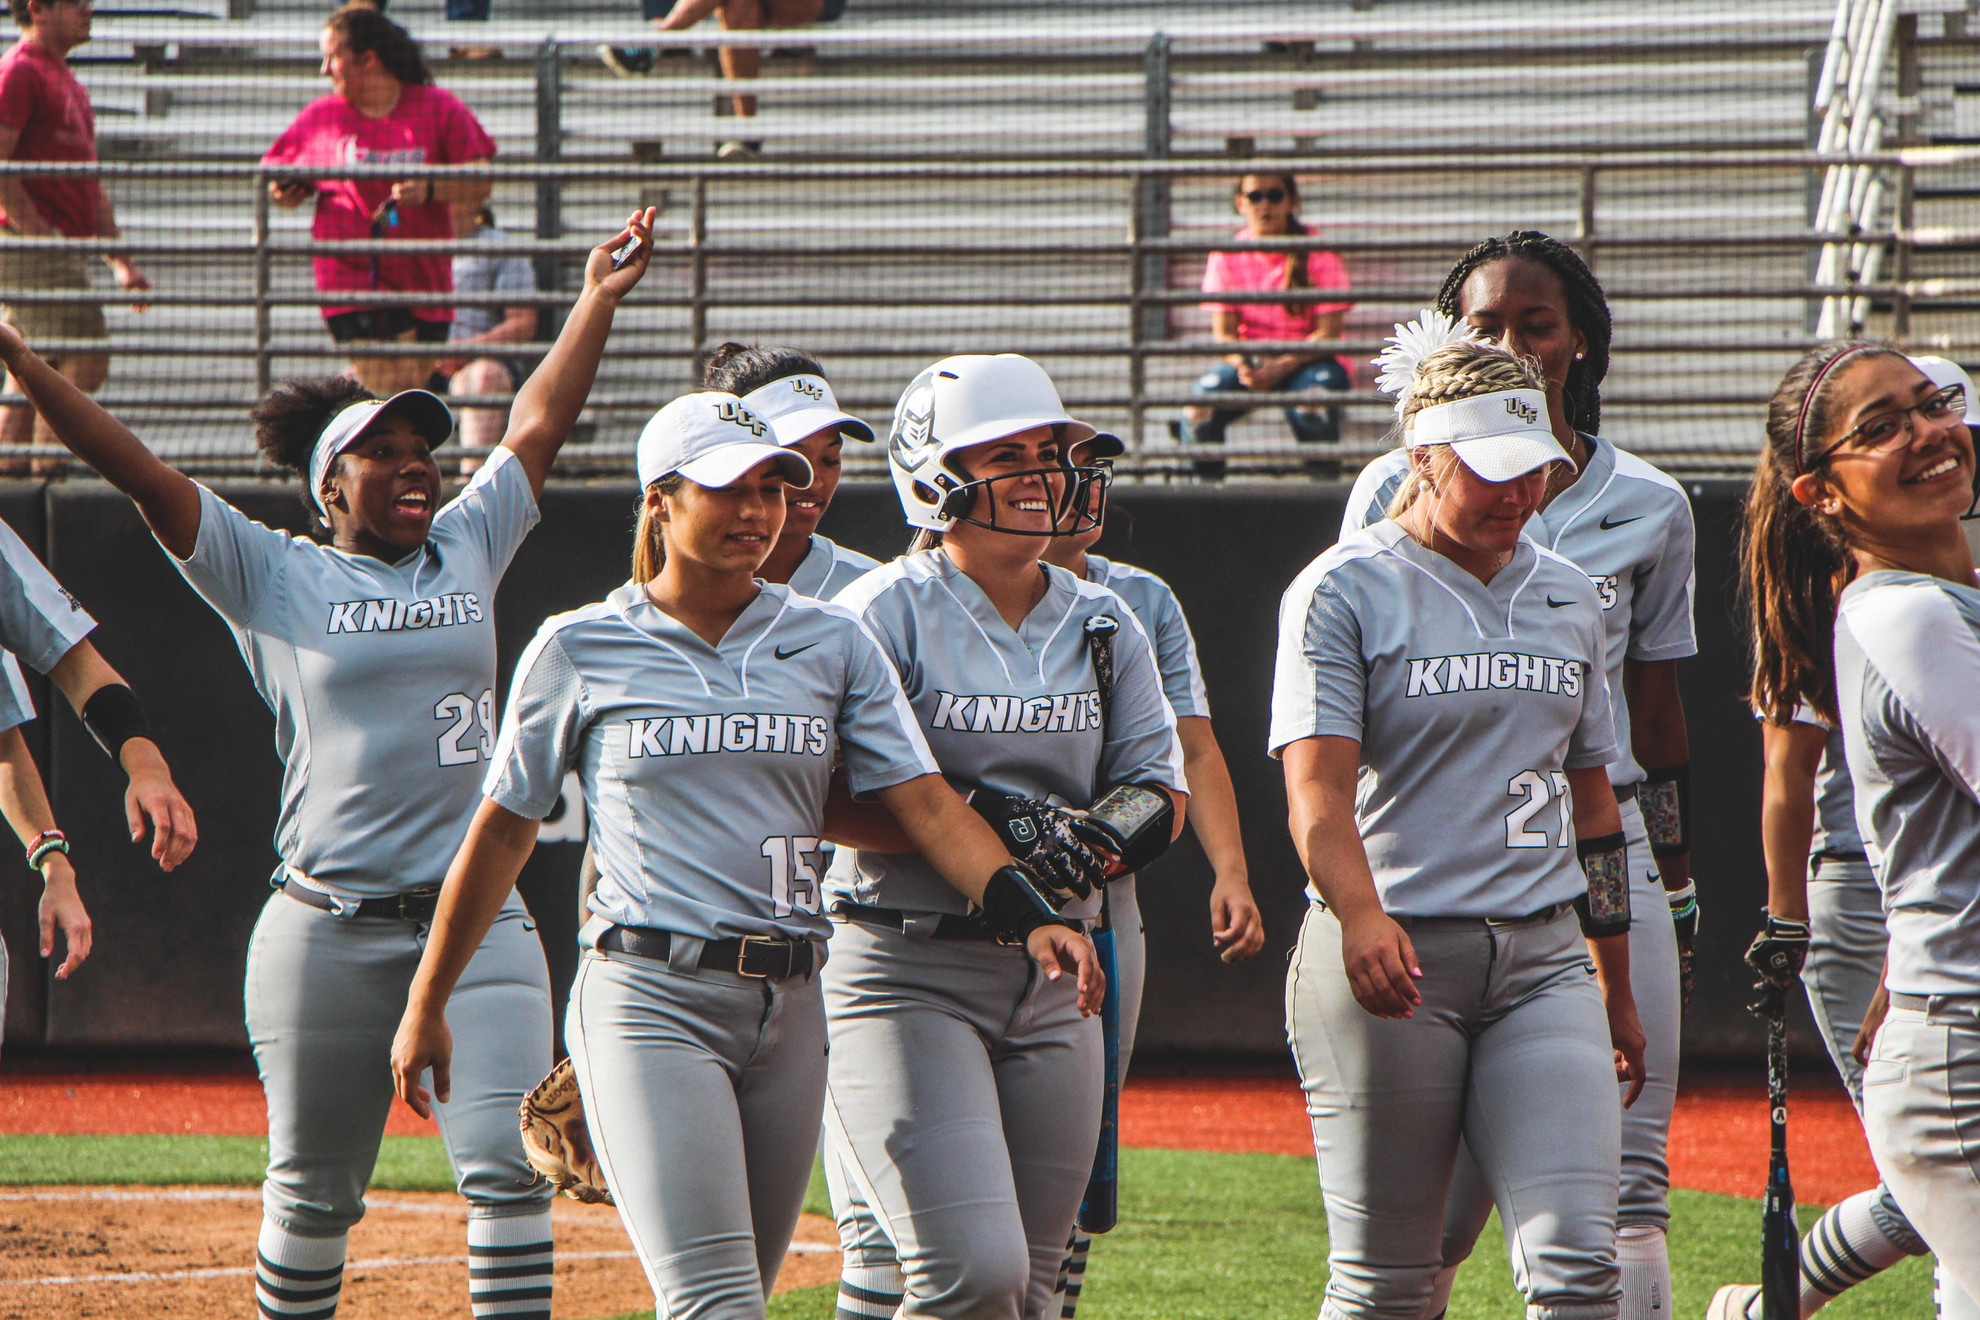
(808, 390)
(733, 411)
(1523, 410)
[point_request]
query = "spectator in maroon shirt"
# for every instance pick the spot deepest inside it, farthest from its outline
(45, 115)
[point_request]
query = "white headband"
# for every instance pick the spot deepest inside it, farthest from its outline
(1508, 412)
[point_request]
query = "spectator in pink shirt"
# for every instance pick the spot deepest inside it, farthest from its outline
(382, 108)
(1269, 204)
(45, 115)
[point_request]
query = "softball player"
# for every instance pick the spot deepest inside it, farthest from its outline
(1824, 899)
(1629, 528)
(964, 1094)
(1235, 927)
(375, 648)
(702, 711)
(1422, 663)
(43, 623)
(1869, 464)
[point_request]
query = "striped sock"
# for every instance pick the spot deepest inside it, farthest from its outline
(1072, 1277)
(870, 1292)
(510, 1266)
(1847, 1245)
(297, 1277)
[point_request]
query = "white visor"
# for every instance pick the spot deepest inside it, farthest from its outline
(798, 407)
(425, 410)
(712, 439)
(1943, 372)
(1499, 436)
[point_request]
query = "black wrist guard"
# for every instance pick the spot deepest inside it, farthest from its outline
(1666, 801)
(1015, 903)
(1604, 908)
(1131, 821)
(113, 717)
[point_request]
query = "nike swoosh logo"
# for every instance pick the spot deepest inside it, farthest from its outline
(1608, 526)
(1553, 604)
(782, 654)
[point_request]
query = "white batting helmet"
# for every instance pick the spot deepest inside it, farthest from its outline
(966, 400)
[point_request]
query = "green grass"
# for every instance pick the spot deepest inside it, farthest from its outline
(1202, 1235)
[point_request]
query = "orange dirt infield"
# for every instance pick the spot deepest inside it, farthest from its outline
(1718, 1137)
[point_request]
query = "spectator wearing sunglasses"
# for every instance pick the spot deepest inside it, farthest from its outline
(1269, 204)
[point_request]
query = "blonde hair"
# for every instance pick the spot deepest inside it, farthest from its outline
(1453, 372)
(649, 535)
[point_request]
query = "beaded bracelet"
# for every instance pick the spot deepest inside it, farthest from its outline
(48, 841)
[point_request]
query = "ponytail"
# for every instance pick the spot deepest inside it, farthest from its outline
(649, 535)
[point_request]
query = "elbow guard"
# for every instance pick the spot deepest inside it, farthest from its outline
(1666, 801)
(1604, 908)
(1134, 822)
(1015, 903)
(113, 717)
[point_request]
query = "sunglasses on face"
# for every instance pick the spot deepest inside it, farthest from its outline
(1887, 430)
(1265, 196)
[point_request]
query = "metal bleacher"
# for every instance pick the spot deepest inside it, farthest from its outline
(957, 177)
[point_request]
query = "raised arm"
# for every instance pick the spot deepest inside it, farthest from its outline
(165, 496)
(547, 405)
(151, 798)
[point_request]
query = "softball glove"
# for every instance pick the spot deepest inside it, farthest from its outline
(556, 1140)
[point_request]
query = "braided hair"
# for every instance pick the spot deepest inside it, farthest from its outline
(1588, 311)
(1460, 371)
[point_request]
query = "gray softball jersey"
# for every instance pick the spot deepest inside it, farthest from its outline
(1470, 701)
(1835, 802)
(705, 767)
(1017, 711)
(1161, 617)
(40, 623)
(381, 676)
(1907, 666)
(829, 568)
(1628, 527)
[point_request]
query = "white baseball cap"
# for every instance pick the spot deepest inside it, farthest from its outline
(1943, 372)
(1499, 436)
(801, 406)
(712, 439)
(427, 412)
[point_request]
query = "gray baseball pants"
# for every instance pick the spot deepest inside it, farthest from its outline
(324, 997)
(963, 1106)
(702, 1090)
(1921, 1110)
(1509, 1052)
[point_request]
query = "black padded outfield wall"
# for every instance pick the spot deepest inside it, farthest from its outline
(170, 949)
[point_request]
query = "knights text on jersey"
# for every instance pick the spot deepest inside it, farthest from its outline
(381, 676)
(828, 568)
(705, 768)
(1014, 710)
(1907, 668)
(1161, 616)
(1470, 702)
(1628, 527)
(40, 622)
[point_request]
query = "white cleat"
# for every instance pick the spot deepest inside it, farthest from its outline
(1731, 1301)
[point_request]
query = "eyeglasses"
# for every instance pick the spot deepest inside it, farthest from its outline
(1261, 196)
(1887, 430)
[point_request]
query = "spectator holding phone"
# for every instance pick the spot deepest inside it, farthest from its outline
(382, 108)
(45, 115)
(479, 328)
(1269, 204)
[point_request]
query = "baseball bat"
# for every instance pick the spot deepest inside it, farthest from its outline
(1780, 1251)
(1099, 1209)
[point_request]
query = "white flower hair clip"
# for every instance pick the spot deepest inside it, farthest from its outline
(1410, 344)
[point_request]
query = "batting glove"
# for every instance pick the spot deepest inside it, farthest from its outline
(1776, 956)
(1684, 919)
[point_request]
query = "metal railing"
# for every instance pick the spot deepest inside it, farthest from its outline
(1142, 254)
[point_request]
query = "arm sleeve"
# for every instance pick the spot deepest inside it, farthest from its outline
(1593, 742)
(236, 562)
(39, 621)
(1326, 270)
(495, 512)
(515, 275)
(1660, 623)
(16, 703)
(1175, 655)
(540, 732)
(1368, 502)
(878, 734)
(1927, 651)
(1320, 679)
(1142, 746)
(462, 138)
(1217, 278)
(20, 92)
(293, 141)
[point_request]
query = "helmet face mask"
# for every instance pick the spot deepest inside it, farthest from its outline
(1070, 512)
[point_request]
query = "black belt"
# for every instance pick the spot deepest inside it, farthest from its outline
(417, 905)
(948, 926)
(1539, 918)
(746, 956)
(1625, 793)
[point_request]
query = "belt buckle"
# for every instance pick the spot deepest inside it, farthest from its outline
(423, 895)
(742, 956)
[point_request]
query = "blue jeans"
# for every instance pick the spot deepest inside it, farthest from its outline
(470, 10)
(1318, 426)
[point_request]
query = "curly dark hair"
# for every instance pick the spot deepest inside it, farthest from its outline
(1588, 311)
(364, 27)
(288, 423)
(739, 368)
